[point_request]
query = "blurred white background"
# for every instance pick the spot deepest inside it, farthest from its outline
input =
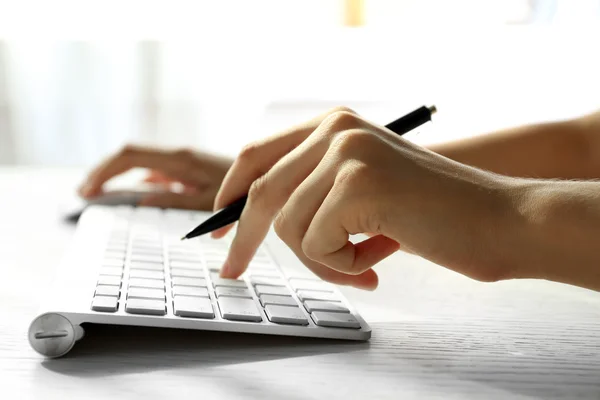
(78, 79)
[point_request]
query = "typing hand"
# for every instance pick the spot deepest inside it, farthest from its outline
(340, 175)
(200, 175)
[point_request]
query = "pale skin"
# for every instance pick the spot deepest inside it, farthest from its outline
(500, 206)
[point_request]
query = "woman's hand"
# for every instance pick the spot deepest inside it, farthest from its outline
(340, 175)
(200, 174)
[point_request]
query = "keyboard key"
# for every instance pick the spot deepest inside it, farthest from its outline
(214, 268)
(187, 273)
(141, 273)
(114, 271)
(147, 258)
(123, 210)
(277, 300)
(104, 303)
(257, 280)
(145, 246)
(109, 280)
(314, 295)
(146, 242)
(310, 284)
(210, 251)
(153, 251)
(299, 273)
(261, 259)
(190, 291)
(286, 315)
(264, 273)
(194, 249)
(195, 307)
(277, 290)
(146, 306)
(220, 282)
(146, 283)
(107, 290)
(112, 262)
(183, 281)
(145, 293)
(120, 236)
(238, 309)
(261, 265)
(216, 258)
(145, 233)
(210, 243)
(176, 248)
(335, 320)
(331, 306)
(147, 265)
(215, 255)
(186, 250)
(185, 254)
(186, 265)
(117, 242)
(117, 255)
(186, 260)
(233, 292)
(118, 247)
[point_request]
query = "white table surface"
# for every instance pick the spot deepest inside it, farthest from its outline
(435, 334)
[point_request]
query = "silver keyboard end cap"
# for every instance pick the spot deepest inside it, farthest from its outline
(52, 335)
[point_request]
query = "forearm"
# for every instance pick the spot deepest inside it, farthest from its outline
(552, 150)
(553, 232)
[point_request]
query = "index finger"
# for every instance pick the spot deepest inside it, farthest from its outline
(128, 158)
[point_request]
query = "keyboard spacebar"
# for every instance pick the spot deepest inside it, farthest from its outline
(145, 306)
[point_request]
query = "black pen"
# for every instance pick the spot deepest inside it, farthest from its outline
(232, 212)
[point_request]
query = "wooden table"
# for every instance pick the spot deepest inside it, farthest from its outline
(436, 334)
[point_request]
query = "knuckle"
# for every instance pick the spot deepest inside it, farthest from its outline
(355, 180)
(339, 109)
(185, 159)
(249, 151)
(129, 149)
(184, 154)
(258, 193)
(282, 227)
(351, 141)
(345, 177)
(342, 120)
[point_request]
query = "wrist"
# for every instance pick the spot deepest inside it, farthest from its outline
(558, 235)
(533, 236)
(488, 209)
(468, 217)
(510, 229)
(497, 216)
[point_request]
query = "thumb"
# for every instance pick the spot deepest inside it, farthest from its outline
(188, 201)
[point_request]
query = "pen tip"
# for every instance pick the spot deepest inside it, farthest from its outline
(183, 237)
(432, 109)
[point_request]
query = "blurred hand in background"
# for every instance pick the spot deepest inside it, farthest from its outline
(190, 179)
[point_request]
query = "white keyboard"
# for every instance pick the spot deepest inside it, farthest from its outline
(128, 266)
